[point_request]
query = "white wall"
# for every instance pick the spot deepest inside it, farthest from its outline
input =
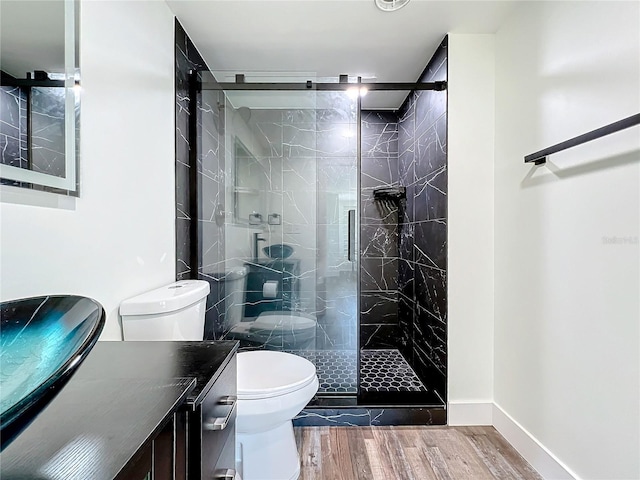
(117, 239)
(566, 302)
(471, 103)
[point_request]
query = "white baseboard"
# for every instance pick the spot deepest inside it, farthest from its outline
(540, 458)
(470, 413)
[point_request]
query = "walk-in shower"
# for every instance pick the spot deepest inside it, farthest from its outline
(307, 204)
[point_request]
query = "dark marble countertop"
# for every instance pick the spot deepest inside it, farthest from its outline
(117, 400)
(203, 361)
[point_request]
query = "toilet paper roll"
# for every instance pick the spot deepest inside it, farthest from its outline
(270, 289)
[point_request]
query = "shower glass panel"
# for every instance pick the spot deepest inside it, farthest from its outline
(284, 255)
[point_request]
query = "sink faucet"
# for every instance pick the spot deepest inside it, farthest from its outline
(257, 238)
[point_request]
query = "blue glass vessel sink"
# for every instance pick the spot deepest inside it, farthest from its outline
(281, 250)
(43, 340)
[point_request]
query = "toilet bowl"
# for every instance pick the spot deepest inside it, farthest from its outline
(279, 330)
(273, 387)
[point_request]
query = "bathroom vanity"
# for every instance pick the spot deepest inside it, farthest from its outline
(136, 410)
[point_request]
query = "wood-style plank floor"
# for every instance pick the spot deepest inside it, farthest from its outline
(412, 453)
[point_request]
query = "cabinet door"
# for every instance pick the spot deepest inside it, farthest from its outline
(156, 459)
(181, 444)
(163, 454)
(212, 427)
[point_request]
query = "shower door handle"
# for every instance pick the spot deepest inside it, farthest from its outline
(351, 240)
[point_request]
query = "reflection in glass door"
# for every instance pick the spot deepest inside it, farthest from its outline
(288, 186)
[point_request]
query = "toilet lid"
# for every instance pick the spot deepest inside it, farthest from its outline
(264, 374)
(283, 322)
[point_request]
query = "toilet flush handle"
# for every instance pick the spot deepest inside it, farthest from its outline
(220, 423)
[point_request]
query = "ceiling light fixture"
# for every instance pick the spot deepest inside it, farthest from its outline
(390, 5)
(355, 90)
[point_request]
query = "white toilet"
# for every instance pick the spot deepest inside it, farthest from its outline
(273, 387)
(172, 312)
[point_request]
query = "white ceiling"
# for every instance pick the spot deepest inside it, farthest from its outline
(325, 38)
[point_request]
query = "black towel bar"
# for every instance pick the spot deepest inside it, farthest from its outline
(541, 156)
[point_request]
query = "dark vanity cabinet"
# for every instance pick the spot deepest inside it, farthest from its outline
(204, 425)
(198, 441)
(136, 411)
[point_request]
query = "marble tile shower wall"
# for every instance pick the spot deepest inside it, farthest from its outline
(422, 264)
(13, 127)
(379, 327)
(45, 129)
(211, 183)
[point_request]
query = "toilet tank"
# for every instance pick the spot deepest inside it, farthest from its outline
(232, 284)
(172, 312)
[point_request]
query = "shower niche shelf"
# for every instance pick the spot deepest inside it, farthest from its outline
(390, 199)
(394, 194)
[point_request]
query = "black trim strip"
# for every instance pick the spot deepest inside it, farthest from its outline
(193, 175)
(212, 85)
(8, 82)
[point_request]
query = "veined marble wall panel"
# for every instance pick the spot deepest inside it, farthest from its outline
(13, 129)
(186, 59)
(211, 180)
(350, 417)
(299, 210)
(211, 154)
(379, 240)
(423, 235)
(45, 128)
(406, 157)
(379, 274)
(381, 308)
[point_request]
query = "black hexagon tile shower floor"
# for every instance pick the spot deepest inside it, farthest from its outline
(381, 371)
(387, 371)
(336, 369)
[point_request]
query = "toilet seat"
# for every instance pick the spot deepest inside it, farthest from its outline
(266, 374)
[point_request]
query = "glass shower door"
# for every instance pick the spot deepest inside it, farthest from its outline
(338, 253)
(289, 278)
